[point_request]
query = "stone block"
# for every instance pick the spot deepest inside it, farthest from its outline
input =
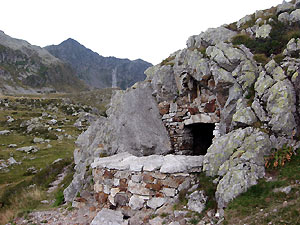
(148, 178)
(136, 178)
(138, 189)
(154, 187)
(173, 182)
(169, 192)
(121, 199)
(155, 203)
(98, 187)
(106, 189)
(108, 175)
(123, 185)
(122, 174)
(158, 175)
(116, 182)
(136, 202)
(101, 197)
(114, 191)
(210, 107)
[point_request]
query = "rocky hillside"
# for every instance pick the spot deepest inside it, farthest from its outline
(25, 68)
(231, 96)
(98, 71)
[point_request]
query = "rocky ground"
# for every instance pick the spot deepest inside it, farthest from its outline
(36, 133)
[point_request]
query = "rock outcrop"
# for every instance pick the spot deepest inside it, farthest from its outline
(221, 97)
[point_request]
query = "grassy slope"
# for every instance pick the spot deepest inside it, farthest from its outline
(260, 205)
(14, 182)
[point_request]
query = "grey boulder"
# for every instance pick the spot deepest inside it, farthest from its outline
(108, 217)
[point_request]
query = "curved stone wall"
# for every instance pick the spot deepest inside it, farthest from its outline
(125, 180)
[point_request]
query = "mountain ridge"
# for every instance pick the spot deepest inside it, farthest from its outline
(96, 70)
(29, 69)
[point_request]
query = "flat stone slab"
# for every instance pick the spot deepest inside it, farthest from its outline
(109, 217)
(4, 132)
(164, 164)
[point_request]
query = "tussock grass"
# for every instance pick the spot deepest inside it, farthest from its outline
(26, 201)
(24, 197)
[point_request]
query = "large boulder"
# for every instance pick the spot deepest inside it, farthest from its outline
(109, 217)
(133, 125)
(295, 16)
(281, 107)
(238, 158)
(210, 37)
(264, 31)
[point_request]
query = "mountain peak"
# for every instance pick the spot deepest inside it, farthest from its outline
(96, 70)
(71, 40)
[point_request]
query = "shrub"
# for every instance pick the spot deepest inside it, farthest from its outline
(59, 198)
(203, 51)
(279, 37)
(241, 39)
(194, 221)
(292, 34)
(232, 26)
(279, 157)
(167, 61)
(278, 58)
(261, 58)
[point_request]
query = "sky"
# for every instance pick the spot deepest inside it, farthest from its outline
(146, 29)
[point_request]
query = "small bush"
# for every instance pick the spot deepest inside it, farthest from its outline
(206, 184)
(261, 58)
(241, 39)
(59, 198)
(250, 95)
(232, 26)
(278, 58)
(279, 157)
(292, 34)
(279, 37)
(203, 51)
(163, 215)
(194, 221)
(167, 61)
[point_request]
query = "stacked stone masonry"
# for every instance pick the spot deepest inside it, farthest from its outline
(125, 180)
(195, 107)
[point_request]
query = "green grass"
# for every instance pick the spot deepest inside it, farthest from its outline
(194, 221)
(260, 205)
(279, 58)
(45, 156)
(261, 58)
(279, 37)
(14, 183)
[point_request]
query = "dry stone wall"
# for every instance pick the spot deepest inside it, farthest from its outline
(125, 180)
(194, 107)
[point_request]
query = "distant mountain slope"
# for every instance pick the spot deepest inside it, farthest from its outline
(25, 68)
(96, 70)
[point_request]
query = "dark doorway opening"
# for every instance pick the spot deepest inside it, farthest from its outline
(202, 137)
